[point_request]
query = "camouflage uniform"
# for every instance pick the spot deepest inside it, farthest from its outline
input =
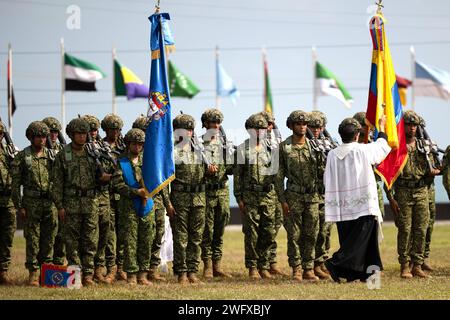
(33, 172)
(7, 212)
(300, 165)
(254, 178)
(74, 189)
(59, 249)
(446, 171)
(189, 200)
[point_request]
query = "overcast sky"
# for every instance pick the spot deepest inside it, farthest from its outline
(287, 28)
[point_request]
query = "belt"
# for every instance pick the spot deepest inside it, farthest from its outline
(188, 187)
(80, 193)
(216, 186)
(302, 189)
(36, 194)
(411, 183)
(260, 188)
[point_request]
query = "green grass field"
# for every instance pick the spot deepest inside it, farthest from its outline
(239, 287)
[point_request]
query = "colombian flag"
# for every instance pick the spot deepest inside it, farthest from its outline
(384, 99)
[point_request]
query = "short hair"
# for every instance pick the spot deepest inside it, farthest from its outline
(348, 132)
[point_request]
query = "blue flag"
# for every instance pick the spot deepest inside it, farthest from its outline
(225, 84)
(158, 166)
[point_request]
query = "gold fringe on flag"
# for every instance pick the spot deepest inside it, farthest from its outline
(169, 49)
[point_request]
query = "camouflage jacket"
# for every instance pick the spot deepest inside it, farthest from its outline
(33, 172)
(5, 179)
(215, 153)
(189, 166)
(446, 171)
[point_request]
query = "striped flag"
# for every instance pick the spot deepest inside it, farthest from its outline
(431, 82)
(268, 104)
(327, 84)
(384, 99)
(127, 83)
(81, 75)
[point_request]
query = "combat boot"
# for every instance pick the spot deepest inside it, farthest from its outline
(110, 274)
(275, 271)
(88, 280)
(207, 269)
(4, 278)
(324, 268)
(33, 279)
(426, 266)
(405, 272)
(142, 279)
(218, 272)
(318, 272)
(121, 275)
(265, 274)
(297, 274)
(98, 274)
(418, 272)
(154, 276)
(131, 279)
(192, 277)
(309, 275)
(182, 278)
(253, 273)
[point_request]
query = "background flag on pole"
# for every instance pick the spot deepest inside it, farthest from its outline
(225, 85)
(431, 82)
(327, 84)
(10, 95)
(158, 164)
(384, 99)
(403, 85)
(127, 83)
(268, 104)
(81, 75)
(181, 85)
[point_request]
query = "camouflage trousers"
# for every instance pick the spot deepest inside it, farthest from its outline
(115, 243)
(41, 226)
(302, 229)
(380, 199)
(258, 226)
(187, 230)
(432, 209)
(59, 247)
(323, 237)
(7, 229)
(104, 224)
(159, 218)
(138, 241)
(277, 226)
(216, 218)
(412, 223)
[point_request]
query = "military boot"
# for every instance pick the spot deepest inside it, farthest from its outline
(207, 269)
(131, 279)
(324, 268)
(33, 278)
(265, 274)
(275, 271)
(192, 277)
(308, 275)
(110, 274)
(318, 272)
(121, 275)
(218, 272)
(426, 266)
(88, 280)
(253, 273)
(418, 272)
(4, 278)
(154, 276)
(297, 274)
(98, 274)
(182, 278)
(142, 279)
(405, 272)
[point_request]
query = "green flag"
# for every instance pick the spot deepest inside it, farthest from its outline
(329, 85)
(180, 85)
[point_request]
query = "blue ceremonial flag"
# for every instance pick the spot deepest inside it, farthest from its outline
(158, 167)
(225, 85)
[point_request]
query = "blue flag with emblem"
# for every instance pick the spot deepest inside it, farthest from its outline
(158, 167)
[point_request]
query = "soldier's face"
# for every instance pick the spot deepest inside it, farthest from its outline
(213, 125)
(93, 134)
(270, 127)
(299, 128)
(79, 138)
(53, 135)
(39, 142)
(315, 131)
(136, 147)
(410, 130)
(112, 134)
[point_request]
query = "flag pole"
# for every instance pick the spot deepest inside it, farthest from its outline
(114, 111)
(63, 87)
(217, 77)
(314, 60)
(10, 90)
(413, 76)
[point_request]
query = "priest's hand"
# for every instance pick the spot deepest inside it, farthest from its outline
(62, 214)
(435, 172)
(395, 207)
(242, 207)
(170, 211)
(286, 209)
(212, 169)
(382, 123)
(141, 193)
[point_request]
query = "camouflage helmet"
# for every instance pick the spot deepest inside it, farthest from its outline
(94, 123)
(269, 117)
(141, 122)
(422, 122)
(411, 117)
(256, 121)
(52, 123)
(135, 135)
(297, 116)
(2, 127)
(349, 121)
(321, 115)
(211, 115)
(184, 121)
(112, 121)
(37, 129)
(315, 120)
(360, 117)
(77, 125)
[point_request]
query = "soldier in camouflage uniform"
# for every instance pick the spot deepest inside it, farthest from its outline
(299, 163)
(7, 212)
(139, 230)
(217, 195)
(410, 203)
(446, 171)
(31, 169)
(316, 124)
(74, 193)
(112, 125)
(254, 190)
(59, 250)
